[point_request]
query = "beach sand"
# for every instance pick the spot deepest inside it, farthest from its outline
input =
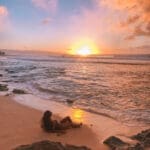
(20, 125)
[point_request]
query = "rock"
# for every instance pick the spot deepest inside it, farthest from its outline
(146, 142)
(18, 91)
(71, 147)
(48, 145)
(3, 87)
(2, 53)
(138, 146)
(115, 143)
(69, 101)
(1, 75)
(143, 137)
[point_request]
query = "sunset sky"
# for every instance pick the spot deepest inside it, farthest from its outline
(114, 26)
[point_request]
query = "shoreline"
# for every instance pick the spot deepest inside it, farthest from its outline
(20, 125)
(97, 127)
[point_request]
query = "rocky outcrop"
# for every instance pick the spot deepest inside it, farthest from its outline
(143, 143)
(3, 87)
(18, 91)
(115, 143)
(48, 145)
(143, 138)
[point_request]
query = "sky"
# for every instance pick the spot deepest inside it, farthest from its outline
(113, 26)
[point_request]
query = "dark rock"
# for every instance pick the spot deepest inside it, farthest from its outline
(146, 142)
(115, 143)
(69, 101)
(3, 87)
(2, 53)
(1, 75)
(18, 91)
(47, 145)
(142, 136)
(138, 146)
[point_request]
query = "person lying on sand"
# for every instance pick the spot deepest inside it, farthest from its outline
(50, 125)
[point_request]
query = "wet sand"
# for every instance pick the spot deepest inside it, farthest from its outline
(20, 124)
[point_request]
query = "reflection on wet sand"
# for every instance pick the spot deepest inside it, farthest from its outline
(77, 115)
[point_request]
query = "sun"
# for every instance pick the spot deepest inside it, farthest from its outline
(84, 51)
(84, 48)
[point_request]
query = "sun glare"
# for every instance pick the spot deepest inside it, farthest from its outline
(84, 51)
(84, 48)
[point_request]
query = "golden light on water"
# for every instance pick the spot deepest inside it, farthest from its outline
(84, 48)
(77, 115)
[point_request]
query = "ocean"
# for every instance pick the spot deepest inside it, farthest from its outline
(117, 86)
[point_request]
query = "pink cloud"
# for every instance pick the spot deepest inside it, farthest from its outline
(135, 14)
(90, 23)
(4, 20)
(47, 5)
(3, 11)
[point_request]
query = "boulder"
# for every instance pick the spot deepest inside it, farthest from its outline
(48, 145)
(115, 143)
(143, 138)
(18, 91)
(3, 87)
(138, 146)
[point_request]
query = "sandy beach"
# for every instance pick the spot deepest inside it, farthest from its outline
(20, 125)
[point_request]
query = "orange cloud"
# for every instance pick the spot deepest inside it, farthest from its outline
(136, 15)
(3, 18)
(47, 5)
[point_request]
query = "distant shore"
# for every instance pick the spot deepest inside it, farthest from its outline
(21, 125)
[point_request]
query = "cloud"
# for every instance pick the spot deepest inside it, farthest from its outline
(136, 14)
(47, 5)
(90, 23)
(4, 20)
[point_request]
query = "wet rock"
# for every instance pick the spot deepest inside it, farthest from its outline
(71, 147)
(116, 144)
(18, 91)
(146, 142)
(48, 145)
(69, 101)
(138, 146)
(143, 138)
(3, 87)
